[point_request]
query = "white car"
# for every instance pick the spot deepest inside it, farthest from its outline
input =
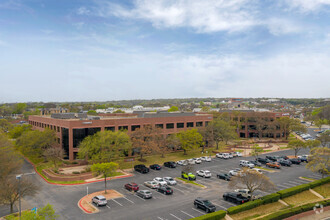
(257, 170)
(239, 154)
(204, 173)
(197, 160)
(219, 155)
(245, 191)
(182, 162)
(151, 184)
(160, 181)
(207, 159)
(225, 156)
(191, 161)
(170, 180)
(245, 163)
(234, 172)
(230, 155)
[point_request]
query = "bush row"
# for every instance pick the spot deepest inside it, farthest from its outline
(274, 197)
(245, 206)
(293, 190)
(294, 211)
(319, 182)
(212, 216)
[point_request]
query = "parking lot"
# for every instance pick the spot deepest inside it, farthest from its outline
(179, 205)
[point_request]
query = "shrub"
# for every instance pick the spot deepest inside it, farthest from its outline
(88, 169)
(212, 216)
(319, 182)
(274, 197)
(294, 190)
(75, 172)
(244, 207)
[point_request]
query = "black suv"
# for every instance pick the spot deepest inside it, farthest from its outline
(272, 158)
(155, 167)
(165, 189)
(285, 162)
(295, 161)
(255, 163)
(204, 204)
(170, 164)
(141, 168)
(235, 197)
(224, 176)
(263, 160)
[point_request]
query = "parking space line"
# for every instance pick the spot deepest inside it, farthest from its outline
(198, 211)
(219, 205)
(108, 207)
(160, 193)
(177, 189)
(187, 214)
(116, 202)
(139, 197)
(160, 218)
(228, 203)
(128, 199)
(293, 182)
(289, 184)
(183, 186)
(281, 186)
(175, 216)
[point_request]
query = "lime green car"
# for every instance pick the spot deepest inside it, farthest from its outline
(188, 176)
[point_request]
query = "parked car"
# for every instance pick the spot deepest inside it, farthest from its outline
(155, 167)
(272, 158)
(146, 194)
(234, 172)
(206, 158)
(245, 191)
(191, 161)
(204, 173)
(182, 162)
(166, 190)
(303, 158)
(188, 176)
(284, 157)
(245, 163)
(239, 154)
(283, 162)
(132, 187)
(151, 184)
(226, 156)
(230, 155)
(263, 160)
(197, 160)
(170, 164)
(234, 154)
(273, 165)
(255, 163)
(257, 170)
(160, 181)
(224, 176)
(219, 155)
(141, 168)
(235, 197)
(295, 161)
(170, 180)
(204, 204)
(99, 200)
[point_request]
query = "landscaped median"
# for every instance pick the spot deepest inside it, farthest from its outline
(190, 182)
(294, 202)
(86, 205)
(266, 169)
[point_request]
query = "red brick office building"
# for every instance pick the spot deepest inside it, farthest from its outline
(72, 128)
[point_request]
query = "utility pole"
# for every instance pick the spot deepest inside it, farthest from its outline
(19, 177)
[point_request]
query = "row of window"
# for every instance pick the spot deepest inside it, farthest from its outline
(43, 125)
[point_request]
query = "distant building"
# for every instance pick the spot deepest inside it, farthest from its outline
(72, 128)
(49, 111)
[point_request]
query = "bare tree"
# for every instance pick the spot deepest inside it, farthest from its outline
(9, 190)
(54, 154)
(252, 180)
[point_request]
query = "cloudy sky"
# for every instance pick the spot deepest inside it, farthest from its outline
(98, 50)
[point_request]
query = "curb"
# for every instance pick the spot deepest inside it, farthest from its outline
(82, 208)
(73, 184)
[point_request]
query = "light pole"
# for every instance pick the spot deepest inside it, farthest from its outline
(19, 177)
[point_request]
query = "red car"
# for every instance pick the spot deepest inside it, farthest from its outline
(132, 187)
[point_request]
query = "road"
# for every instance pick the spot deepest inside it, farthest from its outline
(177, 206)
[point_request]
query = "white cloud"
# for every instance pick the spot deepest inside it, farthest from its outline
(307, 5)
(83, 11)
(280, 26)
(202, 16)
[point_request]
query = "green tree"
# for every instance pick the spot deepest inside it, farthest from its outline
(312, 143)
(324, 138)
(91, 112)
(205, 109)
(5, 126)
(19, 108)
(207, 135)
(256, 150)
(36, 142)
(45, 213)
(173, 109)
(296, 145)
(105, 169)
(104, 146)
(54, 154)
(320, 122)
(319, 161)
(119, 111)
(190, 139)
(10, 161)
(145, 140)
(288, 125)
(18, 130)
(222, 131)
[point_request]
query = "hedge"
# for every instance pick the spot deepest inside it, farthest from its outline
(319, 182)
(212, 216)
(274, 197)
(294, 211)
(293, 190)
(245, 206)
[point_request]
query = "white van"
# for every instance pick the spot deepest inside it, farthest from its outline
(245, 163)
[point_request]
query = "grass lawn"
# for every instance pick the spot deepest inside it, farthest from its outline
(308, 178)
(262, 168)
(258, 211)
(39, 168)
(284, 148)
(323, 190)
(191, 182)
(300, 198)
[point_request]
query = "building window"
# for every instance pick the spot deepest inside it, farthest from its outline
(243, 127)
(207, 123)
(180, 125)
(134, 127)
(169, 125)
(251, 119)
(199, 124)
(160, 126)
(252, 127)
(109, 128)
(235, 118)
(122, 128)
(190, 124)
(242, 119)
(242, 135)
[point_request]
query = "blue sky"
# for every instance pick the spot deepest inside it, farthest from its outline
(98, 50)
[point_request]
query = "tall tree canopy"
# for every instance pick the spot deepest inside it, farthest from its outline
(288, 125)
(190, 139)
(222, 131)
